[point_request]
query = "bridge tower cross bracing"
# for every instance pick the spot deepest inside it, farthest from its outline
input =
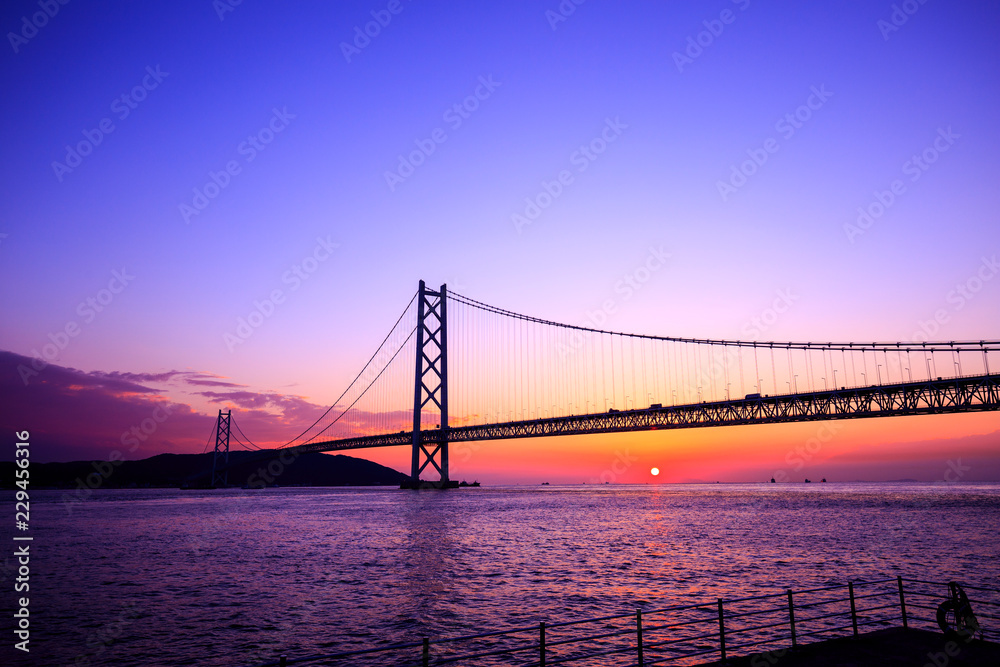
(431, 383)
(221, 477)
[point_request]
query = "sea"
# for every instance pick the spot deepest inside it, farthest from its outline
(238, 577)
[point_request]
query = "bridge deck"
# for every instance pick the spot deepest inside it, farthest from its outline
(942, 396)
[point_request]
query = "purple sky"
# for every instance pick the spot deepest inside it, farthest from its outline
(168, 168)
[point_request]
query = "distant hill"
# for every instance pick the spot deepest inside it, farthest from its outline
(255, 469)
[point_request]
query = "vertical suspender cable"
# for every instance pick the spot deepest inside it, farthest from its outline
(774, 371)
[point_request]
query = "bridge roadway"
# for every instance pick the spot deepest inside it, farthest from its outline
(964, 394)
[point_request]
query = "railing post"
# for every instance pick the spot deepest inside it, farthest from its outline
(427, 652)
(791, 618)
(722, 633)
(282, 661)
(541, 644)
(854, 610)
(902, 600)
(638, 634)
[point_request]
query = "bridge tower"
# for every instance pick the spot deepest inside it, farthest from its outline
(221, 477)
(431, 385)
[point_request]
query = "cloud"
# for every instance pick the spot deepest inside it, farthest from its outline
(74, 415)
(244, 399)
(139, 377)
(211, 383)
(13, 365)
(289, 408)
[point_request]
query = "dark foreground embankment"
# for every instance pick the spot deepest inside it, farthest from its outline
(894, 647)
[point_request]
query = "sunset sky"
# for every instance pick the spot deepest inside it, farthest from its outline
(169, 167)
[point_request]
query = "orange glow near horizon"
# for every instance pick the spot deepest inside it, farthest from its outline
(840, 450)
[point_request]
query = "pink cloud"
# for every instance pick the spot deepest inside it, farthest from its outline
(77, 415)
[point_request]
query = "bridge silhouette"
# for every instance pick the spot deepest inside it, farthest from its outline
(516, 376)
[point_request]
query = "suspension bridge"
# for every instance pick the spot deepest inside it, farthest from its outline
(453, 369)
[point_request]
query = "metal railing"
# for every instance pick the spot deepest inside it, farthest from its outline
(687, 634)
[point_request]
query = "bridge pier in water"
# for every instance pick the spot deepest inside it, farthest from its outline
(431, 386)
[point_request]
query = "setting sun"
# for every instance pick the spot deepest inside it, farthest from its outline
(654, 471)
